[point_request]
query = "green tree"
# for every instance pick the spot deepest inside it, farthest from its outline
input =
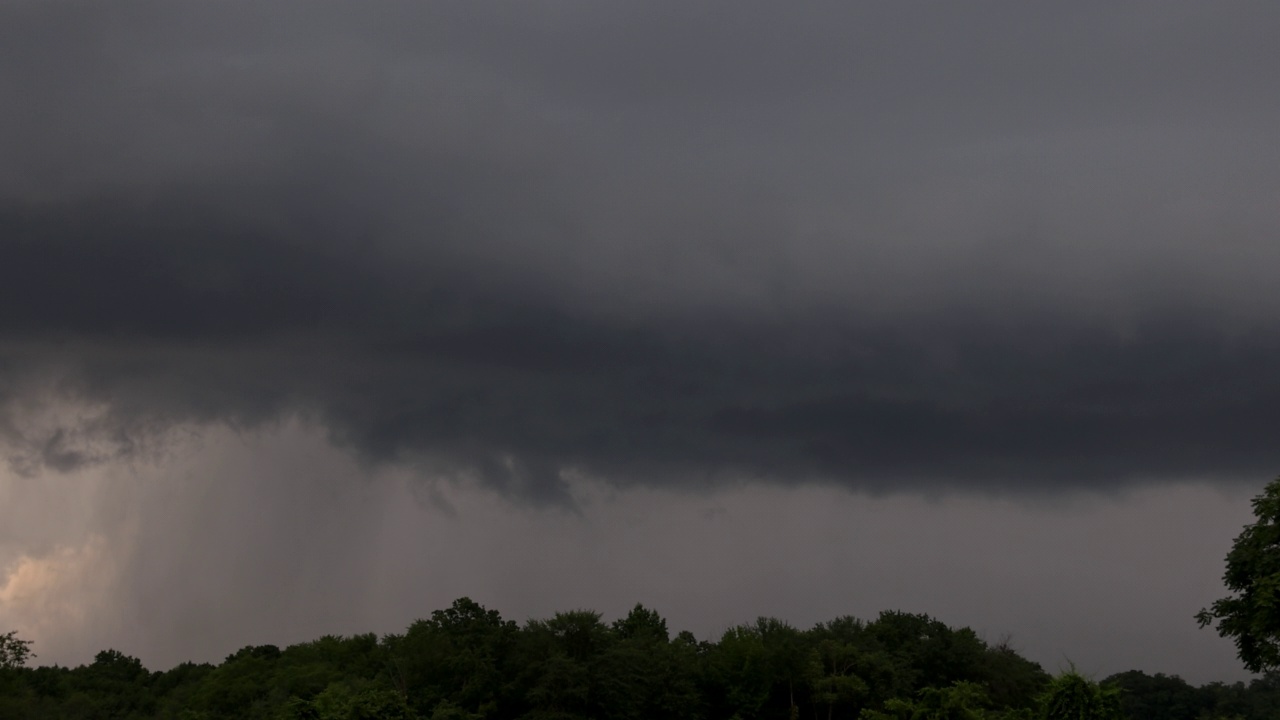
(14, 690)
(786, 658)
(645, 675)
(1160, 697)
(564, 672)
(959, 701)
(1072, 696)
(641, 623)
(741, 673)
(837, 672)
(115, 685)
(14, 653)
(456, 657)
(926, 652)
(1250, 616)
(1011, 680)
(340, 701)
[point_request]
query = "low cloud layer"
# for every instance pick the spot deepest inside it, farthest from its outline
(181, 314)
(1003, 247)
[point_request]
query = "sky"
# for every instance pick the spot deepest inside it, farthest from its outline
(315, 316)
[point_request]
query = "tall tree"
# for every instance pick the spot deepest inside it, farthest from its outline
(838, 663)
(563, 668)
(456, 657)
(1250, 616)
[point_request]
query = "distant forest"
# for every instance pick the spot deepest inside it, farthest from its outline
(467, 663)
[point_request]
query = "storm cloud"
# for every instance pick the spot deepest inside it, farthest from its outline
(993, 247)
(313, 312)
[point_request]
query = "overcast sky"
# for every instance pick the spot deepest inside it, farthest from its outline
(316, 316)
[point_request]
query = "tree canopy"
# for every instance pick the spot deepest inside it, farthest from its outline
(466, 662)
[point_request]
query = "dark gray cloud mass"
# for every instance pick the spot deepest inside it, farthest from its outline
(880, 245)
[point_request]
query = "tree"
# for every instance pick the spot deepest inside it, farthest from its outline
(1010, 679)
(961, 700)
(837, 664)
(786, 658)
(641, 622)
(1250, 616)
(455, 657)
(926, 651)
(1072, 696)
(14, 653)
(741, 673)
(562, 665)
(645, 674)
(1160, 697)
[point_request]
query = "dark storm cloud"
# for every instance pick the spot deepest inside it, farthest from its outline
(882, 247)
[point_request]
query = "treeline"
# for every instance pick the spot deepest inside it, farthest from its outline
(467, 663)
(1165, 697)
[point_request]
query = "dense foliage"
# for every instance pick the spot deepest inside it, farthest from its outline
(1164, 697)
(467, 663)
